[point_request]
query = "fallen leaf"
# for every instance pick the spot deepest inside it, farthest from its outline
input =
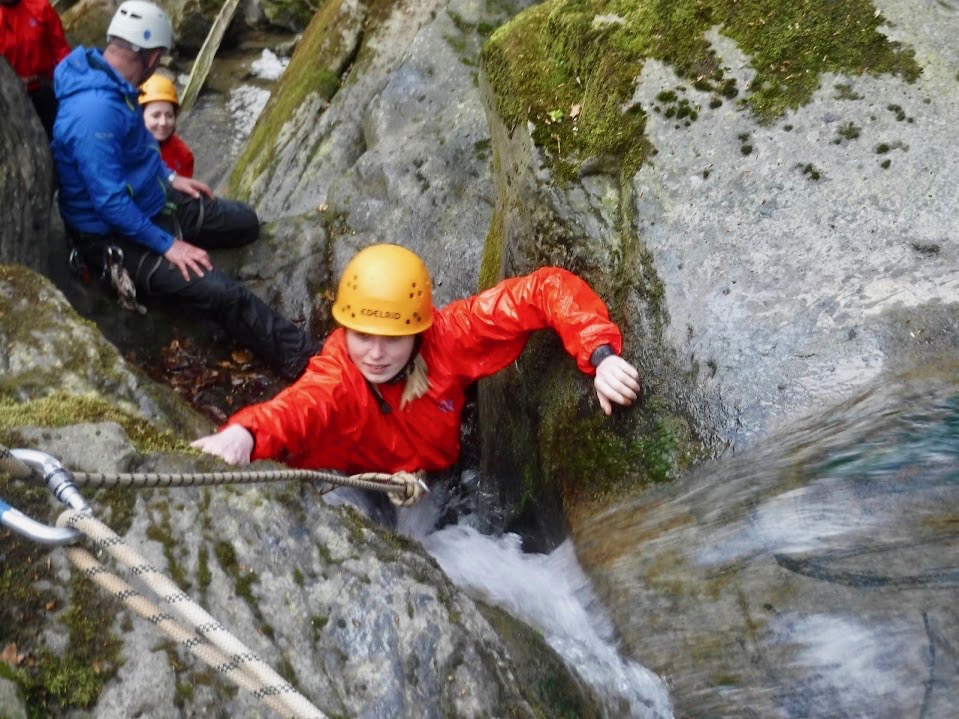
(242, 356)
(575, 110)
(10, 655)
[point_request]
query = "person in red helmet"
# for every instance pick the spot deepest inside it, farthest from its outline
(387, 392)
(161, 106)
(32, 41)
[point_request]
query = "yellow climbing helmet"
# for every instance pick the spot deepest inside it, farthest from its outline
(159, 87)
(385, 290)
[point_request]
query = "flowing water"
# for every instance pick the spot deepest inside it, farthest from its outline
(549, 592)
(814, 575)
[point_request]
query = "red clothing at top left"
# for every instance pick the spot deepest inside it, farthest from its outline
(177, 156)
(32, 40)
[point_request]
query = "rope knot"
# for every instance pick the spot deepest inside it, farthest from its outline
(413, 482)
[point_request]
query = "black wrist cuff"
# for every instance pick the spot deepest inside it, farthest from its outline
(601, 353)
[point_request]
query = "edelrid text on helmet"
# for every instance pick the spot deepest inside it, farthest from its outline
(158, 88)
(385, 290)
(142, 24)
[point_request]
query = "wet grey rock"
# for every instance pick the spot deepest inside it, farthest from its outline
(26, 175)
(401, 153)
(12, 705)
(814, 574)
(362, 621)
(46, 348)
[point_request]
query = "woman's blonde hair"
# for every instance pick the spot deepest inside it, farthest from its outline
(417, 381)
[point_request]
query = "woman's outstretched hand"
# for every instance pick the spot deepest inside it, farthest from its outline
(616, 381)
(233, 445)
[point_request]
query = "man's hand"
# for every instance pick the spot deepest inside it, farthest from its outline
(188, 257)
(191, 187)
(234, 444)
(616, 381)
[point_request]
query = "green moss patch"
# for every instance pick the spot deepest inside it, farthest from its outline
(61, 409)
(570, 66)
(32, 600)
(314, 68)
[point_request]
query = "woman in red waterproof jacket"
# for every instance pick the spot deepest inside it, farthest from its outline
(387, 392)
(161, 106)
(32, 40)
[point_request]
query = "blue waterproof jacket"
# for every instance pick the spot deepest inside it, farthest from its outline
(111, 176)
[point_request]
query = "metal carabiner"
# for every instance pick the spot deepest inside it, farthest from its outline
(60, 482)
(32, 529)
(112, 255)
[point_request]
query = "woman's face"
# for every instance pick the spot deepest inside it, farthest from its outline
(160, 117)
(379, 358)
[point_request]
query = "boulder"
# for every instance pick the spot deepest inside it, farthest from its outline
(758, 227)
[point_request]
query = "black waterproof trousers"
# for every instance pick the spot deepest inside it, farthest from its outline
(210, 224)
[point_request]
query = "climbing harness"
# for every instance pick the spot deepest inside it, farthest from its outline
(207, 639)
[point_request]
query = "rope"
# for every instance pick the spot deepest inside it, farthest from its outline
(404, 488)
(13, 466)
(208, 640)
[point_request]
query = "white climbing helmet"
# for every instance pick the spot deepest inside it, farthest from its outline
(142, 24)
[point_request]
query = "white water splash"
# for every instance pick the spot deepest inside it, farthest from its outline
(551, 593)
(245, 103)
(269, 66)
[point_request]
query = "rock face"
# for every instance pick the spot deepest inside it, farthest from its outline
(49, 351)
(770, 244)
(771, 250)
(26, 171)
(385, 99)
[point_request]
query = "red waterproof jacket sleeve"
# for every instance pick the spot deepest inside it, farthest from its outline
(302, 413)
(485, 333)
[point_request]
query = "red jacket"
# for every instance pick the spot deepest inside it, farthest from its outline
(32, 40)
(329, 418)
(177, 156)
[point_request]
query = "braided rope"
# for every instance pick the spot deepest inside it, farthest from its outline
(404, 488)
(13, 466)
(405, 484)
(209, 640)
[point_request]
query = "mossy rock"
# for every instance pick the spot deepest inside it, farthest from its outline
(570, 66)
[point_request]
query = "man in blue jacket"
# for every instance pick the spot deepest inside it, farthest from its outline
(125, 207)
